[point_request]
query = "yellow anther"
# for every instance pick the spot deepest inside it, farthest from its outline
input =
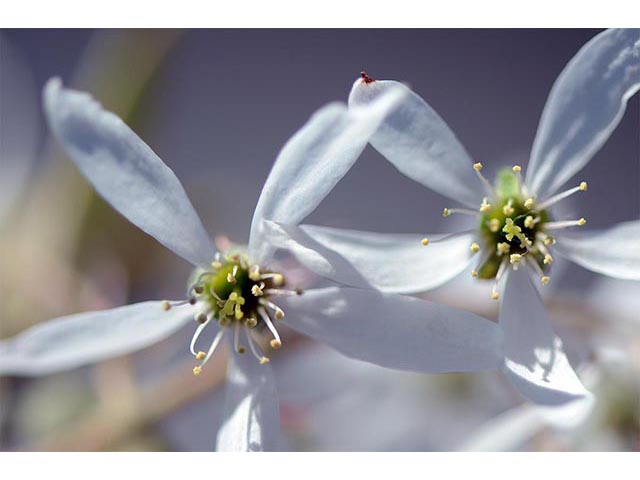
(503, 247)
(544, 280)
(549, 240)
(200, 355)
(250, 322)
(494, 225)
(495, 295)
(197, 371)
(254, 273)
(264, 360)
(233, 296)
(477, 166)
(231, 278)
(275, 344)
(216, 265)
(446, 212)
(528, 222)
(528, 203)
(278, 279)
(166, 306)
(548, 259)
(517, 169)
(257, 291)
(474, 273)
(508, 210)
(279, 314)
(424, 241)
(581, 222)
(475, 248)
(485, 206)
(583, 186)
(515, 258)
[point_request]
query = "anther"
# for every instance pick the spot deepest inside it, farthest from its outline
(561, 196)
(495, 295)
(494, 225)
(192, 301)
(474, 273)
(508, 208)
(200, 355)
(475, 248)
(516, 169)
(201, 318)
(257, 291)
(250, 322)
(548, 259)
(199, 289)
(515, 258)
(197, 371)
(216, 265)
(446, 212)
(544, 280)
(166, 306)
(254, 273)
(528, 222)
(275, 344)
(477, 166)
(424, 241)
(549, 240)
(264, 360)
(528, 203)
(581, 222)
(503, 247)
(485, 206)
(583, 186)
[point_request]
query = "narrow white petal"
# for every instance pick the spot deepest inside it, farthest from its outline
(252, 412)
(395, 263)
(585, 105)
(126, 172)
(313, 161)
(420, 144)
(614, 252)
(534, 358)
(76, 340)
(395, 331)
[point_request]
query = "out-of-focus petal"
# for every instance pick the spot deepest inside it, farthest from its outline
(76, 340)
(534, 358)
(585, 105)
(395, 263)
(252, 412)
(614, 252)
(395, 331)
(420, 144)
(126, 172)
(313, 161)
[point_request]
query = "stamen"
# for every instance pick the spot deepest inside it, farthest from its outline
(212, 349)
(475, 248)
(276, 343)
(487, 185)
(517, 169)
(529, 203)
(254, 273)
(166, 306)
(231, 277)
(561, 196)
(565, 224)
(279, 313)
(250, 322)
(196, 335)
(236, 339)
(543, 278)
(278, 279)
(501, 269)
(279, 291)
(494, 225)
(485, 206)
(503, 247)
(424, 241)
(465, 211)
(508, 208)
(529, 222)
(254, 350)
(515, 259)
(548, 259)
(257, 290)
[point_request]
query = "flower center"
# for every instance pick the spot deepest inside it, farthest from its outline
(513, 227)
(237, 296)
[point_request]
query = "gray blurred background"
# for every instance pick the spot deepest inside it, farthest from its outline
(217, 106)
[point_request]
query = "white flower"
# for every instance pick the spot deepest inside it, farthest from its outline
(516, 226)
(242, 294)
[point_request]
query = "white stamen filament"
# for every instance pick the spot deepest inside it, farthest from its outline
(280, 291)
(212, 348)
(465, 211)
(276, 342)
(561, 196)
(501, 269)
(564, 224)
(279, 313)
(196, 335)
(254, 350)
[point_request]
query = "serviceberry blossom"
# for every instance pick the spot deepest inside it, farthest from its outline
(517, 234)
(242, 293)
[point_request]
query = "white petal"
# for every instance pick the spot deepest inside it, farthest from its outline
(585, 105)
(84, 338)
(395, 263)
(313, 161)
(252, 412)
(614, 252)
(126, 172)
(395, 331)
(420, 144)
(534, 358)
